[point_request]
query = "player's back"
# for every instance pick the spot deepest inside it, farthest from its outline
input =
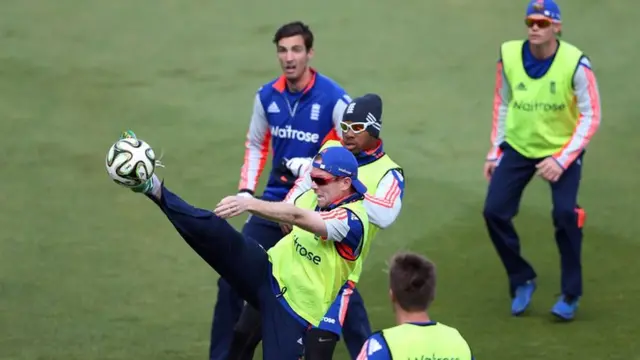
(430, 340)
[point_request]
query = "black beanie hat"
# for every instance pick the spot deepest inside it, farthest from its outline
(366, 109)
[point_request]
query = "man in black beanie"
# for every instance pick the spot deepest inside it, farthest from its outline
(361, 125)
(362, 114)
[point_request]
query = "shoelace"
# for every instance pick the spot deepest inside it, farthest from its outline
(567, 299)
(158, 162)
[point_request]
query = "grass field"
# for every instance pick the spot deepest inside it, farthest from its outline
(90, 271)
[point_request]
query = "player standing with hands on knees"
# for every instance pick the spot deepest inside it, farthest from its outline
(361, 126)
(546, 111)
(293, 115)
(412, 287)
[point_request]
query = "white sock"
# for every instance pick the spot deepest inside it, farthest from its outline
(156, 187)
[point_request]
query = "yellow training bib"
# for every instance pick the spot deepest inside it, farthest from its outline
(543, 113)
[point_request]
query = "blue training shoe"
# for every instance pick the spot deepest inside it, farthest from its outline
(565, 308)
(522, 298)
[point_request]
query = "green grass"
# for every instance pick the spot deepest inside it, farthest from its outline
(90, 271)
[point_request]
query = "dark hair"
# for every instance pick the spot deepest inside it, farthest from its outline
(293, 29)
(413, 281)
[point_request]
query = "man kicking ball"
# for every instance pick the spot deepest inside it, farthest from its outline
(295, 282)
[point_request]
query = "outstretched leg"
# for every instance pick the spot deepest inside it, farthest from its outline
(241, 262)
(228, 343)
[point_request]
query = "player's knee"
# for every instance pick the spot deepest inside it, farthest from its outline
(564, 216)
(249, 321)
(319, 344)
(225, 289)
(497, 211)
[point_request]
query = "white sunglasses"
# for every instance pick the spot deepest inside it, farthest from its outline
(356, 127)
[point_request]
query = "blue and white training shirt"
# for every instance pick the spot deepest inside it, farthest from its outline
(293, 125)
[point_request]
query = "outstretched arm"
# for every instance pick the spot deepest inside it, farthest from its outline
(339, 225)
(282, 212)
(308, 220)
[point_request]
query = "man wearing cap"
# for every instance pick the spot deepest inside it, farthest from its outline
(294, 282)
(546, 110)
(360, 125)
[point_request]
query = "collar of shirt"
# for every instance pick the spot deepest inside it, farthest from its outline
(292, 96)
(535, 68)
(346, 200)
(281, 84)
(366, 157)
(422, 323)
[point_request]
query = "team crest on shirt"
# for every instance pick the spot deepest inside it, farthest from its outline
(315, 112)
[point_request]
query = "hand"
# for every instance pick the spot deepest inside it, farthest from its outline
(232, 206)
(283, 174)
(286, 228)
(549, 169)
(489, 168)
(297, 165)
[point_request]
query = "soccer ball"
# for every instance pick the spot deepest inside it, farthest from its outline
(130, 162)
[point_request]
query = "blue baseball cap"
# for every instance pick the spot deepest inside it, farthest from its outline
(547, 8)
(338, 161)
